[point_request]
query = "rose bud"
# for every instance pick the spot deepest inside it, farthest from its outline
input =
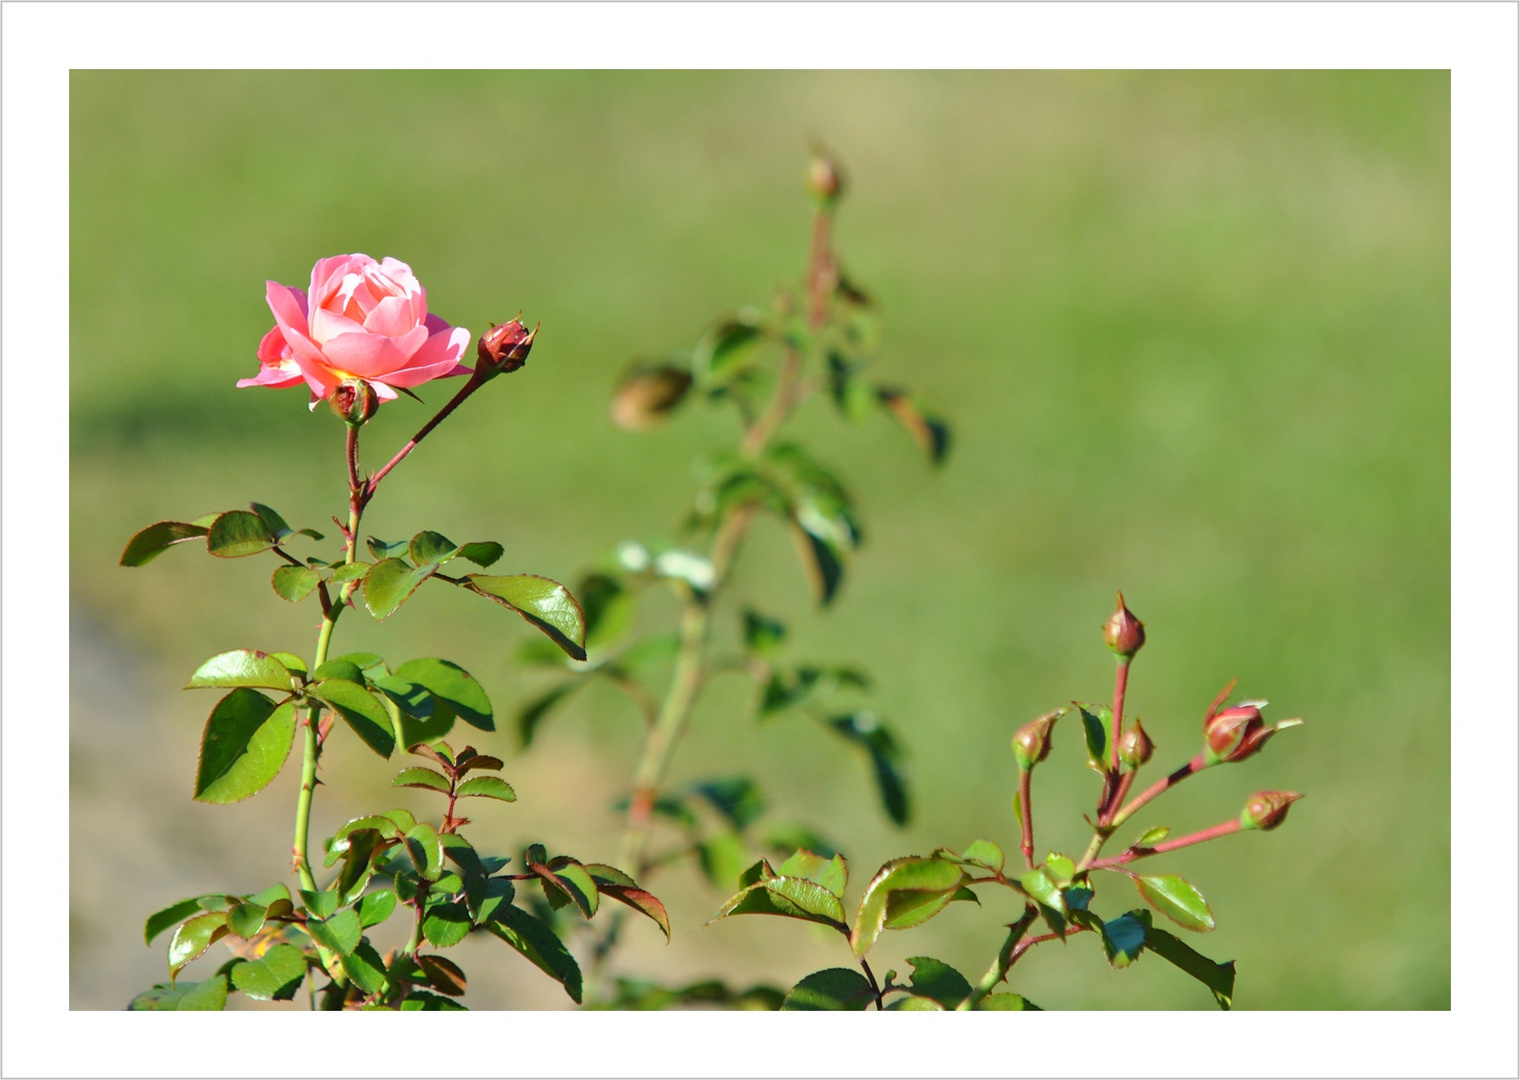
(504, 348)
(1135, 746)
(1268, 809)
(1124, 633)
(647, 396)
(1256, 737)
(1226, 730)
(354, 402)
(1031, 744)
(824, 183)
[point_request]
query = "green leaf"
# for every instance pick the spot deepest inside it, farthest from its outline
(608, 607)
(194, 937)
(292, 662)
(1061, 868)
(365, 969)
(275, 976)
(207, 996)
(830, 990)
(939, 981)
(822, 561)
(340, 668)
(454, 686)
(360, 711)
(1178, 899)
(1096, 721)
(485, 895)
(790, 836)
(984, 853)
(426, 850)
(294, 583)
(538, 944)
(443, 975)
(1152, 836)
(914, 1003)
(420, 777)
(533, 713)
(236, 534)
(376, 907)
(361, 848)
(481, 552)
(154, 541)
(737, 798)
(242, 667)
(391, 582)
(1007, 1003)
(722, 856)
(160, 921)
(446, 924)
(487, 787)
(339, 932)
(430, 547)
(422, 1001)
(808, 896)
(904, 893)
(928, 430)
(350, 572)
(418, 716)
(1038, 885)
(386, 825)
(468, 761)
(1219, 978)
(246, 920)
(546, 604)
(1124, 937)
(762, 634)
(612, 882)
(244, 746)
(866, 729)
(572, 881)
(832, 873)
(319, 904)
(726, 350)
(382, 550)
(273, 522)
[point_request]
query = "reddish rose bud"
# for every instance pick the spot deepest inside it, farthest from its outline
(1226, 730)
(504, 348)
(824, 183)
(1031, 744)
(1135, 746)
(1124, 633)
(1268, 809)
(354, 402)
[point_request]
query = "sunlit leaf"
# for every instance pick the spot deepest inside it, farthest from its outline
(243, 747)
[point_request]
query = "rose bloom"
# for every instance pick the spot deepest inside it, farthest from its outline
(362, 319)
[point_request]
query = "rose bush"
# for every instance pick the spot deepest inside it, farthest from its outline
(361, 320)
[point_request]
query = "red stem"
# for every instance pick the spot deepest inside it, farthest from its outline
(1196, 765)
(1026, 840)
(1121, 682)
(820, 266)
(474, 383)
(1224, 828)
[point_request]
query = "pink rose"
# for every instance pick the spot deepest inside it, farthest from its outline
(361, 320)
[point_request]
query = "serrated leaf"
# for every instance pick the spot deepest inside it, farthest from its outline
(430, 547)
(572, 881)
(939, 981)
(193, 937)
(339, 668)
(391, 582)
(984, 853)
(236, 534)
(454, 686)
(245, 920)
(904, 892)
(360, 711)
(1152, 836)
(354, 571)
(446, 924)
(915, 1003)
(443, 975)
(487, 787)
(1052, 903)
(160, 921)
(832, 873)
(275, 976)
(319, 904)
(156, 539)
(612, 882)
(535, 941)
(1096, 720)
(426, 850)
(339, 932)
(1178, 899)
(362, 847)
(1007, 1003)
(382, 549)
(294, 583)
(376, 907)
(243, 747)
(365, 969)
(830, 990)
(481, 552)
(242, 667)
(209, 995)
(420, 777)
(809, 897)
(1062, 869)
(1124, 937)
(546, 604)
(1219, 978)
(273, 522)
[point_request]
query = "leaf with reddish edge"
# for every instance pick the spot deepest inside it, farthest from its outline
(419, 777)
(243, 667)
(566, 881)
(194, 937)
(391, 582)
(454, 686)
(532, 938)
(158, 538)
(294, 583)
(487, 787)
(237, 534)
(443, 974)
(245, 743)
(1178, 899)
(546, 604)
(905, 892)
(833, 874)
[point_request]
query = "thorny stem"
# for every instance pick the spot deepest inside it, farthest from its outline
(1005, 959)
(1224, 828)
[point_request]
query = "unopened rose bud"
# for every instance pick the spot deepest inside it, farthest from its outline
(1124, 633)
(354, 402)
(1031, 744)
(1135, 746)
(504, 348)
(824, 183)
(1226, 730)
(1268, 809)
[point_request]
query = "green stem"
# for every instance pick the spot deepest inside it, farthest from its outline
(1004, 960)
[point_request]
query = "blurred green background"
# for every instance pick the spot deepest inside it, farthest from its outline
(1191, 328)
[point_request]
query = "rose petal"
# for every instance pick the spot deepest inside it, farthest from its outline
(275, 375)
(289, 308)
(368, 356)
(438, 358)
(393, 318)
(326, 325)
(274, 348)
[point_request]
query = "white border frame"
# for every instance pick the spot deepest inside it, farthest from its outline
(1476, 41)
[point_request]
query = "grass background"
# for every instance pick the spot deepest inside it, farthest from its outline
(1193, 333)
